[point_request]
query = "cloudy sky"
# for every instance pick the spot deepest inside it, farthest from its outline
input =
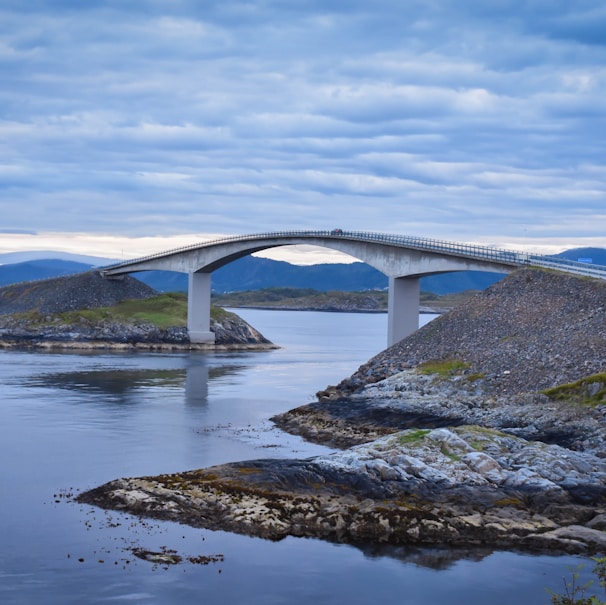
(129, 127)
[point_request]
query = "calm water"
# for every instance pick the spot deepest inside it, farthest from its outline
(70, 422)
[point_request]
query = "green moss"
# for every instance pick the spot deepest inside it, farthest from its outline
(162, 311)
(444, 367)
(450, 454)
(590, 391)
(413, 436)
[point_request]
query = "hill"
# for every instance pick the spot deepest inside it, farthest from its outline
(597, 256)
(534, 330)
(70, 293)
(39, 269)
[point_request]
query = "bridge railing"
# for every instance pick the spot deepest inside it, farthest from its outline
(510, 258)
(455, 248)
(569, 266)
(507, 257)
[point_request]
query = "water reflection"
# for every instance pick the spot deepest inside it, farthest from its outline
(431, 558)
(118, 384)
(69, 428)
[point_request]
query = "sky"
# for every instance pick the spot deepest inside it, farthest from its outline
(134, 127)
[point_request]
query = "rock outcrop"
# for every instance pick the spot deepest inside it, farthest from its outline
(486, 458)
(463, 487)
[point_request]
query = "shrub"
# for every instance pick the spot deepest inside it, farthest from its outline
(574, 593)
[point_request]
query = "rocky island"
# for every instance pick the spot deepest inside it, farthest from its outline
(87, 311)
(484, 428)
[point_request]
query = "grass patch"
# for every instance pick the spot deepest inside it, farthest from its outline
(590, 391)
(413, 436)
(219, 314)
(163, 311)
(444, 368)
(450, 454)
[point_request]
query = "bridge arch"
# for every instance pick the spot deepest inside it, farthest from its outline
(404, 259)
(386, 254)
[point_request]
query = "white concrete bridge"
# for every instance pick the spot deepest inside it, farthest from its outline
(403, 259)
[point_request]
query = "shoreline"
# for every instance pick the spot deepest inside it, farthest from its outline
(57, 345)
(440, 487)
(452, 438)
(422, 310)
(467, 485)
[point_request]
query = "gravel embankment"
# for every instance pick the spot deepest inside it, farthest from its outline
(71, 293)
(532, 330)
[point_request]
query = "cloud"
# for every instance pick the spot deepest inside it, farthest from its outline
(449, 120)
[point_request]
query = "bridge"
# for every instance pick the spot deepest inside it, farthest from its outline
(404, 259)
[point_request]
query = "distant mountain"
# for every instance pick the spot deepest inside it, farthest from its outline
(39, 269)
(450, 283)
(256, 273)
(253, 273)
(22, 257)
(596, 256)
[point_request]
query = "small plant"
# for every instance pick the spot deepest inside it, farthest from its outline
(574, 593)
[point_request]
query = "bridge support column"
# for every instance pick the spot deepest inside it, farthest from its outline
(402, 308)
(198, 308)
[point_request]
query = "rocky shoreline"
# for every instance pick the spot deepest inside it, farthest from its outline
(462, 487)
(468, 452)
(231, 333)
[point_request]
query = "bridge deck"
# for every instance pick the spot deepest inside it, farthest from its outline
(467, 251)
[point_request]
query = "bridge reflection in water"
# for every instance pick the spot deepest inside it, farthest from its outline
(117, 387)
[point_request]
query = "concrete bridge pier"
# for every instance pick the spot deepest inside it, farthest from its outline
(198, 308)
(402, 307)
